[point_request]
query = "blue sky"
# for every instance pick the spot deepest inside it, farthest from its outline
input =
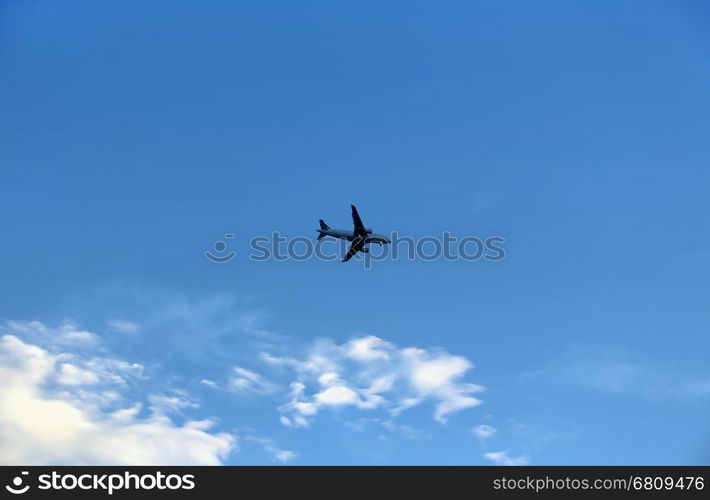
(134, 136)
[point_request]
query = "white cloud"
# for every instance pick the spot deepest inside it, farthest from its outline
(435, 375)
(163, 404)
(336, 396)
(294, 421)
(283, 456)
(454, 399)
(484, 431)
(405, 404)
(429, 374)
(277, 454)
(299, 409)
(70, 374)
(84, 369)
(370, 373)
(66, 333)
(336, 393)
(245, 381)
(123, 326)
(502, 458)
(367, 349)
(74, 425)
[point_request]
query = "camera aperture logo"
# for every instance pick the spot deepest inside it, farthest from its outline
(220, 248)
(16, 488)
(105, 482)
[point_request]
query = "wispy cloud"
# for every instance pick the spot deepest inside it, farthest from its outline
(247, 381)
(502, 458)
(67, 333)
(70, 374)
(483, 432)
(277, 454)
(175, 402)
(123, 326)
(618, 375)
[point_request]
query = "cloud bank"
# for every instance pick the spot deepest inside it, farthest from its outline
(60, 405)
(67, 399)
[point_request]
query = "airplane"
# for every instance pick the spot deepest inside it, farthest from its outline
(360, 236)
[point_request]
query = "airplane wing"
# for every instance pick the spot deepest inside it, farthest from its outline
(351, 253)
(357, 222)
(355, 247)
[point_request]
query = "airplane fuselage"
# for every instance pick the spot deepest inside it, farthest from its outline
(370, 237)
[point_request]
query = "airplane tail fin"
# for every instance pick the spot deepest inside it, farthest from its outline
(323, 227)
